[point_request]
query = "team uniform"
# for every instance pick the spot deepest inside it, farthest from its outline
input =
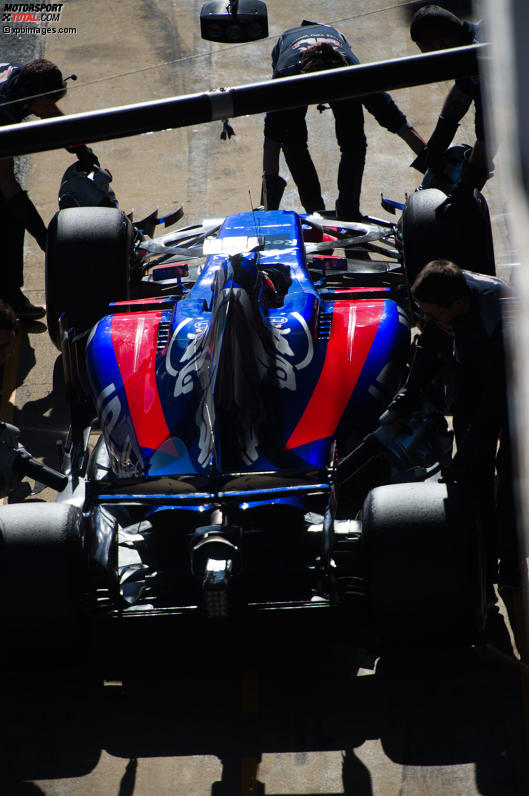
(13, 227)
(479, 408)
(288, 128)
(33, 88)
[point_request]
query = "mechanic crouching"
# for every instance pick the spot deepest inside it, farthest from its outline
(309, 48)
(466, 309)
(33, 88)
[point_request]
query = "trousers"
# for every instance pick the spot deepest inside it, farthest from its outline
(289, 128)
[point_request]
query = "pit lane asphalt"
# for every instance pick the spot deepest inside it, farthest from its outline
(297, 724)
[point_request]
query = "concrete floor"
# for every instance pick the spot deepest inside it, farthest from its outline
(448, 727)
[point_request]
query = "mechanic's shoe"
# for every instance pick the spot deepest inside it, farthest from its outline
(347, 212)
(351, 216)
(24, 309)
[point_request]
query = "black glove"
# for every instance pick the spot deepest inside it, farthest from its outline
(461, 197)
(472, 178)
(432, 155)
(21, 206)
(86, 156)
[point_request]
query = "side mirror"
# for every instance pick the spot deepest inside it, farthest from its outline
(233, 20)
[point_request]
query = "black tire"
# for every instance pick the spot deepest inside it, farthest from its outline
(425, 567)
(43, 578)
(87, 265)
(466, 239)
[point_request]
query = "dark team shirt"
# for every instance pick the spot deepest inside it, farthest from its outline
(290, 45)
(478, 334)
(478, 348)
(12, 113)
(285, 62)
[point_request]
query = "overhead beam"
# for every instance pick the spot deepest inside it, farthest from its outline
(192, 109)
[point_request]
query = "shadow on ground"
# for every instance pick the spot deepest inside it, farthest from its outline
(447, 710)
(42, 422)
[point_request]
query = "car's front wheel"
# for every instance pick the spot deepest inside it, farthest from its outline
(431, 231)
(87, 265)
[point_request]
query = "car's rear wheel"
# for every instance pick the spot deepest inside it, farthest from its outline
(426, 582)
(43, 582)
(87, 265)
(465, 238)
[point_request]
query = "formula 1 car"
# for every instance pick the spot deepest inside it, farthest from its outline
(226, 458)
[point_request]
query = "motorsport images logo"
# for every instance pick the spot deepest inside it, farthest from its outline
(32, 18)
(32, 12)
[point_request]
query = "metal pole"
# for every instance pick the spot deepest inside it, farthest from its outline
(310, 89)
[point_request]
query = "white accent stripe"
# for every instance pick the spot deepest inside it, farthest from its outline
(310, 350)
(137, 342)
(351, 332)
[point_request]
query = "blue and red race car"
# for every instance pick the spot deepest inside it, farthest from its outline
(230, 477)
(256, 370)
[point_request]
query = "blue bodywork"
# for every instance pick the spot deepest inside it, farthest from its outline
(236, 383)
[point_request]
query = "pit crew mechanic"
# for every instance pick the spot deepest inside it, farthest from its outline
(33, 88)
(435, 28)
(309, 48)
(468, 307)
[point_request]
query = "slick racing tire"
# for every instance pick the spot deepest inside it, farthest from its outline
(425, 568)
(43, 579)
(465, 238)
(87, 265)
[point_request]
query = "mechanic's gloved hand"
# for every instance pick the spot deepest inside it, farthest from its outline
(454, 205)
(421, 161)
(86, 156)
(432, 155)
(21, 206)
(472, 178)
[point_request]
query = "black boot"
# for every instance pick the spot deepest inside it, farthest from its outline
(344, 213)
(22, 306)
